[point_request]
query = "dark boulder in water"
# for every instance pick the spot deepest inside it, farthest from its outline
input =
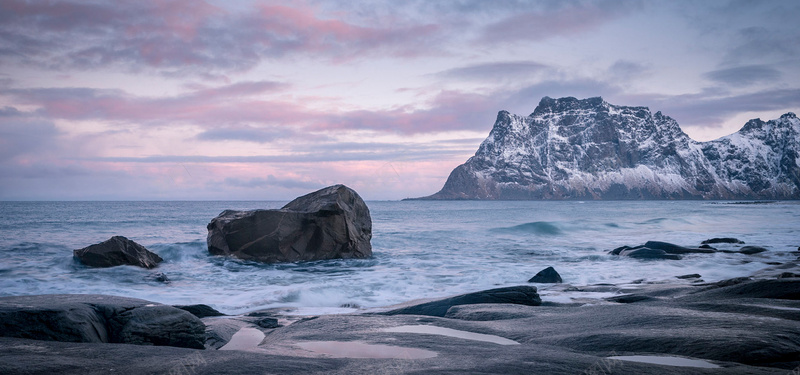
(689, 276)
(520, 295)
(648, 253)
(99, 319)
(547, 275)
(722, 240)
(750, 250)
(660, 250)
(330, 223)
(117, 251)
(670, 248)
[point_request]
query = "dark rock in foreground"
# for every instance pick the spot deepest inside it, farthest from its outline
(547, 275)
(200, 310)
(99, 319)
(333, 222)
(520, 295)
(117, 251)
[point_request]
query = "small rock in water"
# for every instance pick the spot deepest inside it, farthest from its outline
(689, 276)
(704, 246)
(750, 250)
(547, 275)
(723, 240)
(787, 275)
(160, 277)
(117, 251)
(268, 323)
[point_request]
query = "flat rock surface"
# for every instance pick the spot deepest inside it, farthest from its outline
(746, 326)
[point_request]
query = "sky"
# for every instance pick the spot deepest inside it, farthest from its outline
(269, 100)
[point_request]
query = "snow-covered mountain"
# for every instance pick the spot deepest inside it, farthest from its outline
(590, 149)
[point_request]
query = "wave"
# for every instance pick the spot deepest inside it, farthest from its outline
(543, 228)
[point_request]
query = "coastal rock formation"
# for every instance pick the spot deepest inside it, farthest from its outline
(117, 251)
(333, 222)
(99, 319)
(547, 275)
(590, 149)
(520, 295)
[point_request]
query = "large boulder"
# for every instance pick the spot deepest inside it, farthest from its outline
(518, 295)
(99, 319)
(117, 251)
(333, 222)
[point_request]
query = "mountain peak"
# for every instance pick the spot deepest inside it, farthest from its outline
(589, 149)
(550, 105)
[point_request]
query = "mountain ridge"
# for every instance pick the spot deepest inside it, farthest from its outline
(580, 149)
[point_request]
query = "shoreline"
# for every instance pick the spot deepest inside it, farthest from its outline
(743, 325)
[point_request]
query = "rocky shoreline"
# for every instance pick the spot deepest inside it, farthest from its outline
(747, 325)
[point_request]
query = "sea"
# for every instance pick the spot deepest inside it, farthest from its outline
(421, 250)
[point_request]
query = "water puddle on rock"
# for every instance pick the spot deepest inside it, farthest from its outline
(434, 330)
(356, 349)
(666, 360)
(244, 339)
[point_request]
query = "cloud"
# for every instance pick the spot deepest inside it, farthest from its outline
(624, 70)
(179, 37)
(710, 111)
(744, 75)
(21, 136)
(244, 133)
(272, 181)
(566, 18)
(495, 71)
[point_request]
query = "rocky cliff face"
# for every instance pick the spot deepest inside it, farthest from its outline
(590, 149)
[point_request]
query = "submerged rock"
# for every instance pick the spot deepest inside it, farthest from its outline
(520, 295)
(333, 222)
(547, 275)
(99, 319)
(117, 251)
(722, 240)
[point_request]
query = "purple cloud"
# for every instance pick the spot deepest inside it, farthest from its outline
(744, 75)
(178, 37)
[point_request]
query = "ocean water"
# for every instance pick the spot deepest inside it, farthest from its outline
(421, 249)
